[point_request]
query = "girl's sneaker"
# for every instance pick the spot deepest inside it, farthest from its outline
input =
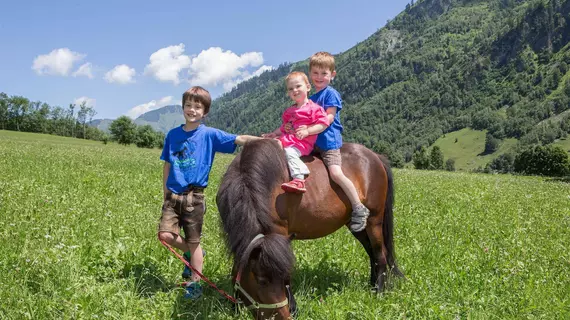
(296, 186)
(187, 273)
(193, 291)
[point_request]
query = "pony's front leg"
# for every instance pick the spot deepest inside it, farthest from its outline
(362, 237)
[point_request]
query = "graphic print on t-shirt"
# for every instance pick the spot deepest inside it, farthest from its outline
(183, 158)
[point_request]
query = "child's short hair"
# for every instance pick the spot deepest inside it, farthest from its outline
(322, 60)
(198, 94)
(296, 74)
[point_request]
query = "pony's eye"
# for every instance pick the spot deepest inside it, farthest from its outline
(262, 281)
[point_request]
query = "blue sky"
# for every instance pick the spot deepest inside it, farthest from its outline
(128, 57)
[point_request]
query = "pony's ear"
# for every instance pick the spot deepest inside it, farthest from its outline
(292, 236)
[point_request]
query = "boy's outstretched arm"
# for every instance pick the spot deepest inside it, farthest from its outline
(274, 134)
(241, 140)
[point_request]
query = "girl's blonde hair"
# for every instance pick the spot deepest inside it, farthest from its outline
(296, 74)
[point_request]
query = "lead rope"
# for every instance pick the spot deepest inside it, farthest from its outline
(210, 283)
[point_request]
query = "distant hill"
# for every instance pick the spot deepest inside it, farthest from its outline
(162, 119)
(101, 124)
(500, 66)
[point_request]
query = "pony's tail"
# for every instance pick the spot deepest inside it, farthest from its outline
(388, 223)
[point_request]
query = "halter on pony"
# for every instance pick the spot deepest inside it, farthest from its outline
(254, 304)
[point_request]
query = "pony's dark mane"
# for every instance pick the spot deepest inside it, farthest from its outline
(245, 191)
(275, 255)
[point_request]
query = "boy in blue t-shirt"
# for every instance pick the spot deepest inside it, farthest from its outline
(188, 155)
(322, 71)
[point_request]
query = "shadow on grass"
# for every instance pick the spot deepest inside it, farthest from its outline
(148, 280)
(559, 179)
(484, 153)
(321, 280)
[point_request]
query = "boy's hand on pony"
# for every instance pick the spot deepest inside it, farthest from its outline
(270, 135)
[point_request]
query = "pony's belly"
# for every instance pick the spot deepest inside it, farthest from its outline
(315, 214)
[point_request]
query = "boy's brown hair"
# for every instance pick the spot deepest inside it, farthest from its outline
(198, 94)
(296, 74)
(322, 60)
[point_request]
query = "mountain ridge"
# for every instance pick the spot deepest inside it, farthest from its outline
(439, 66)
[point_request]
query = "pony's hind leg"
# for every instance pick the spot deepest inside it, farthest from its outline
(362, 237)
(378, 258)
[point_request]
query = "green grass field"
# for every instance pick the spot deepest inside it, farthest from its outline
(78, 226)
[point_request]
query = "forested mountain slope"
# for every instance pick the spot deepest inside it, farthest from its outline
(439, 66)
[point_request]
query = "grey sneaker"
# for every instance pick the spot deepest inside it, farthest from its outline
(358, 220)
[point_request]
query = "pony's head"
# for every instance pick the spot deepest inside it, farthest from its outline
(264, 273)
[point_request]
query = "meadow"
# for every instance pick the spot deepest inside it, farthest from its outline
(466, 147)
(78, 226)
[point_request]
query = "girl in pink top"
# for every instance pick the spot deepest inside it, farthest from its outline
(307, 119)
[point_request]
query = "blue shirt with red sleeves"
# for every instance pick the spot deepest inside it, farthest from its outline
(331, 138)
(191, 154)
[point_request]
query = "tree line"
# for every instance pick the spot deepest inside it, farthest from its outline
(548, 160)
(18, 113)
(126, 132)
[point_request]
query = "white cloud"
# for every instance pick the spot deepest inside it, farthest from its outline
(211, 67)
(215, 66)
(149, 106)
(89, 102)
(121, 74)
(166, 63)
(229, 85)
(84, 70)
(58, 62)
(261, 70)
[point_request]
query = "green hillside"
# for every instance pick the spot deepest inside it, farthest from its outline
(438, 67)
(564, 143)
(466, 147)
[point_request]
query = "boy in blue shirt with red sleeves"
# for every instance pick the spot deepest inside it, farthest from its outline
(188, 155)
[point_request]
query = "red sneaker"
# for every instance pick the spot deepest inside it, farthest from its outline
(295, 186)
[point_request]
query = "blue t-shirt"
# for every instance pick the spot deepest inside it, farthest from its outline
(331, 138)
(191, 155)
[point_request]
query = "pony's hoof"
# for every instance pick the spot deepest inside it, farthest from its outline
(377, 289)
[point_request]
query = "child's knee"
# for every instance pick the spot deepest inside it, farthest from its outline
(166, 237)
(336, 173)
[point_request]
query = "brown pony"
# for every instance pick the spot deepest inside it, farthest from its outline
(260, 219)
